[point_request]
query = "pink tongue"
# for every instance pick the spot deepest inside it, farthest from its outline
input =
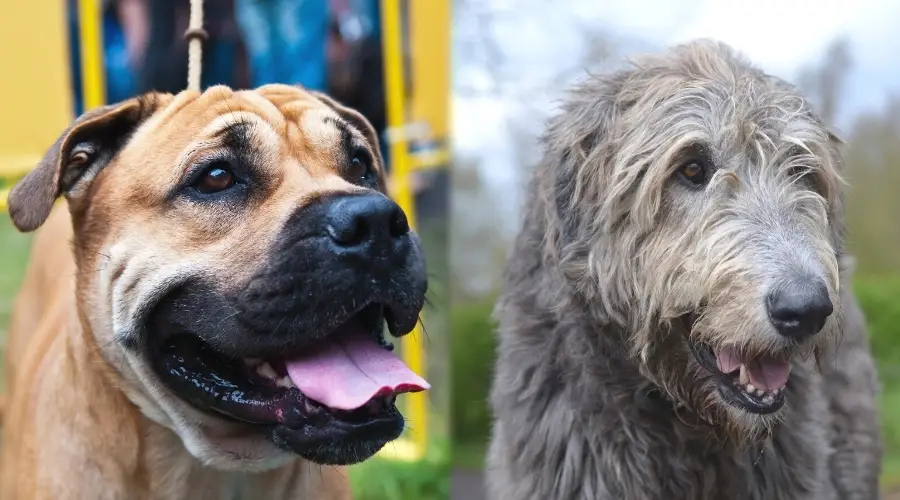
(349, 370)
(764, 373)
(727, 360)
(768, 374)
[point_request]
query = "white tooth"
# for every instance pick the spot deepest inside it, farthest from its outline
(759, 393)
(252, 361)
(744, 378)
(285, 382)
(267, 371)
(750, 389)
(768, 399)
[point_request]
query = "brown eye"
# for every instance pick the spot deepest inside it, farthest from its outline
(218, 177)
(695, 172)
(359, 166)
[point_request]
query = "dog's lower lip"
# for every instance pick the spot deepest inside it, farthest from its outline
(733, 389)
(740, 397)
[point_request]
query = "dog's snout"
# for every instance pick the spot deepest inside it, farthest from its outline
(800, 308)
(364, 220)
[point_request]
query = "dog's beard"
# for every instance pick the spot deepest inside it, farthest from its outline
(715, 353)
(696, 395)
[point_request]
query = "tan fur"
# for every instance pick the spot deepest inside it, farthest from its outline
(83, 419)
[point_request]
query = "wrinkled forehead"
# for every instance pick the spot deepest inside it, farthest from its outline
(277, 125)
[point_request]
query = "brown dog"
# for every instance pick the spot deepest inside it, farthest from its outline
(208, 322)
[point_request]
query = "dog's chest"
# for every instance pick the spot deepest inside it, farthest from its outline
(785, 468)
(668, 456)
(228, 487)
(789, 467)
(792, 464)
(193, 482)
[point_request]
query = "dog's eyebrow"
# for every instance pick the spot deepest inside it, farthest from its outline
(228, 120)
(239, 128)
(345, 130)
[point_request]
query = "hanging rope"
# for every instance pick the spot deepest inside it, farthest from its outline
(195, 36)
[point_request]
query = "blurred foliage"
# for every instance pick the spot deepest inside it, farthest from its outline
(878, 297)
(381, 479)
(873, 207)
(472, 356)
(14, 249)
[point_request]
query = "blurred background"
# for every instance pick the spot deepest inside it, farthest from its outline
(389, 59)
(508, 61)
(512, 60)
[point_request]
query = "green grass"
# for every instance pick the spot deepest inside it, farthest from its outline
(380, 479)
(14, 248)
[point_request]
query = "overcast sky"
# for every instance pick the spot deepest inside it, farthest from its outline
(781, 36)
(778, 34)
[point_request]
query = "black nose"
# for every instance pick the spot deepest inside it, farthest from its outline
(800, 308)
(361, 221)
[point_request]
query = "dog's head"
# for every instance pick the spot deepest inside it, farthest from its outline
(695, 201)
(238, 260)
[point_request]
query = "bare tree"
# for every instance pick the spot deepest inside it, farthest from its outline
(824, 82)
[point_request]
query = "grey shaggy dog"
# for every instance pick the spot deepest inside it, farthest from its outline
(677, 320)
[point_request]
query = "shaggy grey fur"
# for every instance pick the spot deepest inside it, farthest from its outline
(596, 394)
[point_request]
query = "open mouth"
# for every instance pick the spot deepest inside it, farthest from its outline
(753, 384)
(337, 392)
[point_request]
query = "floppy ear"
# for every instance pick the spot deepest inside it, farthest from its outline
(68, 167)
(357, 120)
